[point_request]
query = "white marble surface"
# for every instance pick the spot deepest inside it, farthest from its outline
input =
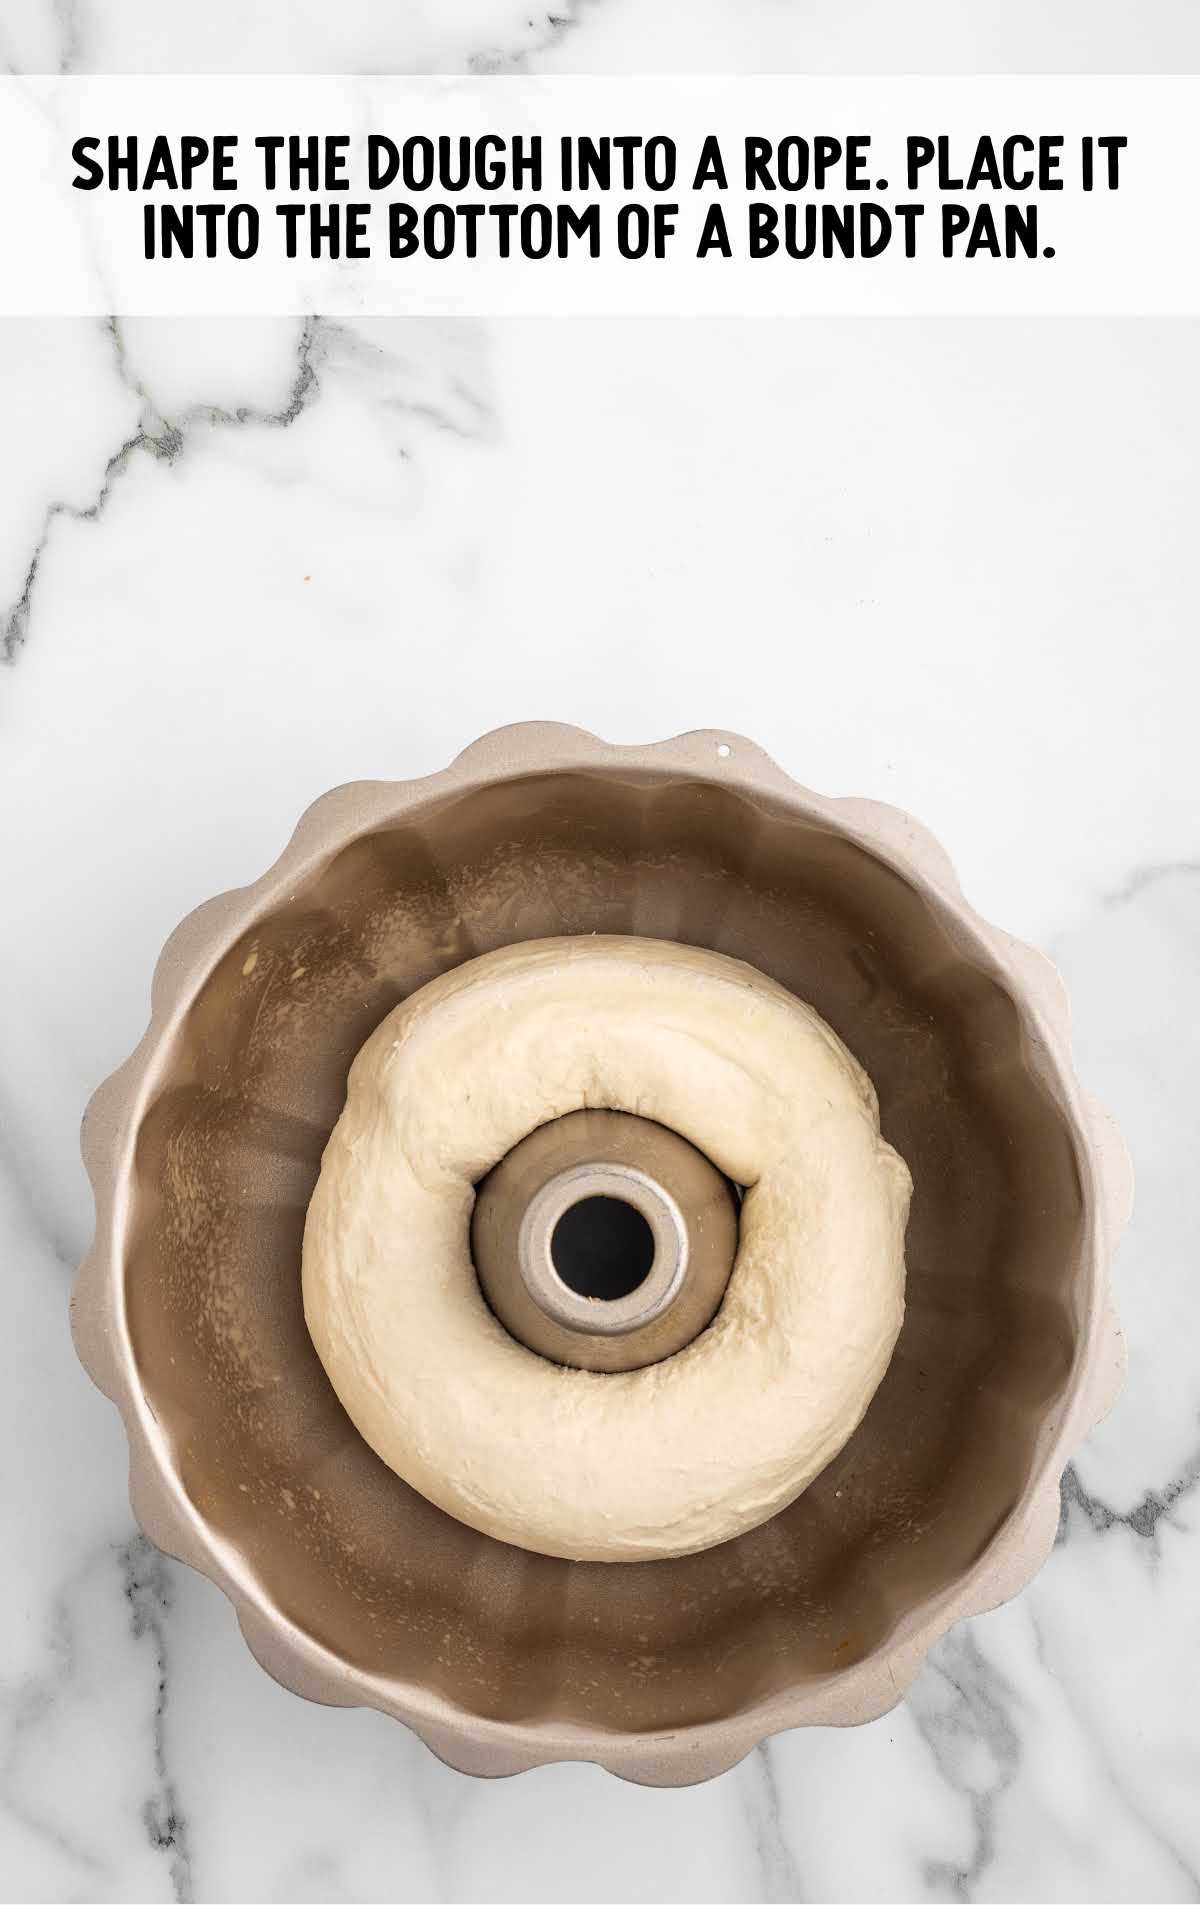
(949, 565)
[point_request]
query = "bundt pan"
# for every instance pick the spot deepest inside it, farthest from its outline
(204, 1149)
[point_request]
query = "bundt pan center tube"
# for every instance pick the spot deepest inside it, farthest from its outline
(604, 1240)
(204, 1150)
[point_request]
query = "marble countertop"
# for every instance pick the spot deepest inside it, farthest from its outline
(945, 564)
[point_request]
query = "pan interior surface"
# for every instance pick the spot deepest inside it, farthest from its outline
(229, 1149)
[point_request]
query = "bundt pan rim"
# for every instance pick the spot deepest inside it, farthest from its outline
(476, 1744)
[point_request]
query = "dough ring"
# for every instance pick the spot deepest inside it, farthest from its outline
(648, 1462)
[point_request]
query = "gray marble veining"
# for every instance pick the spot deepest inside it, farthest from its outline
(945, 564)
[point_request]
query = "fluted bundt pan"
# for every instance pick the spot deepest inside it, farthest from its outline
(204, 1149)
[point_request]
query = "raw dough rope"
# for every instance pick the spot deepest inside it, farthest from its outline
(649, 1462)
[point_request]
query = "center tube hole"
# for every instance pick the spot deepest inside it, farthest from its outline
(602, 1247)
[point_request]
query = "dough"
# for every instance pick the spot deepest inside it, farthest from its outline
(648, 1462)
